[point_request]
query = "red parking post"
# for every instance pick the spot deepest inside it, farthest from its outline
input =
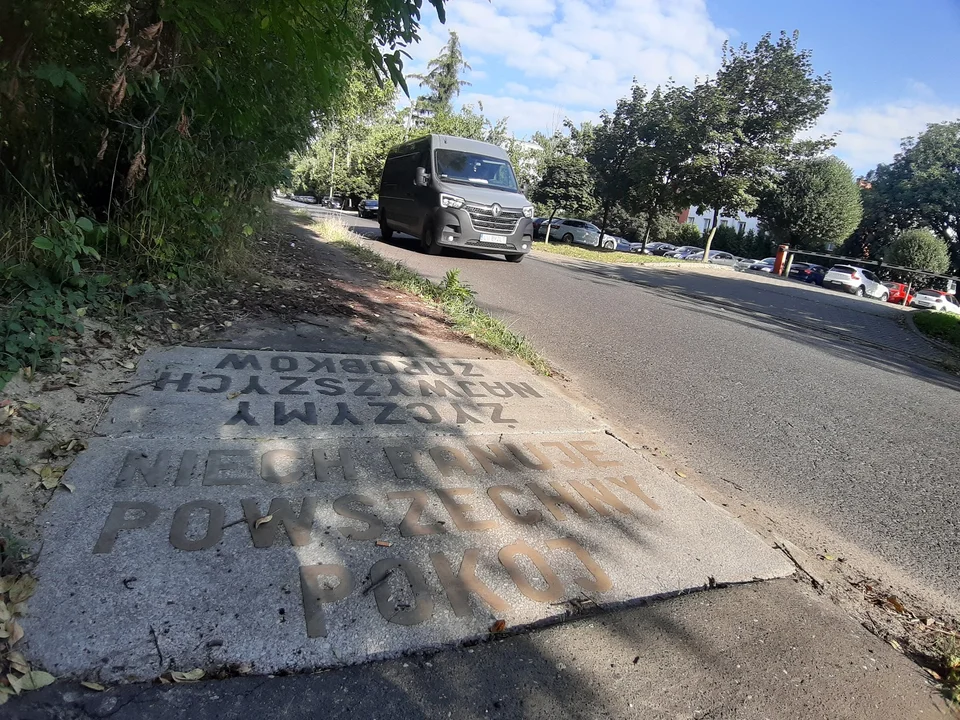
(781, 258)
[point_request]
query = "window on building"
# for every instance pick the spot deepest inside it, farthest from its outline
(724, 223)
(692, 220)
(741, 227)
(706, 225)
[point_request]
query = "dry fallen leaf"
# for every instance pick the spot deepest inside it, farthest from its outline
(6, 582)
(93, 686)
(384, 543)
(896, 604)
(36, 679)
(69, 486)
(499, 626)
(261, 521)
(126, 364)
(5, 613)
(233, 395)
(18, 662)
(23, 588)
(15, 632)
(934, 674)
(189, 676)
(680, 474)
(5, 439)
(895, 645)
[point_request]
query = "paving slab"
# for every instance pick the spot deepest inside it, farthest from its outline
(211, 392)
(301, 545)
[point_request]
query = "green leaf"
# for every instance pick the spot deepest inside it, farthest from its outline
(265, 23)
(43, 243)
(74, 82)
(247, 230)
(85, 224)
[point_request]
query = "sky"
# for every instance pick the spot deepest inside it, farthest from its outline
(893, 64)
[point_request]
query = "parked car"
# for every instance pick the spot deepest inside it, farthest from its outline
(660, 248)
(334, 203)
(622, 245)
(856, 281)
(368, 208)
(744, 264)
(936, 300)
(581, 232)
(684, 250)
(717, 257)
(308, 199)
(898, 292)
(808, 272)
(765, 265)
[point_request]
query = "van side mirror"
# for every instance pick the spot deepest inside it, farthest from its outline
(423, 177)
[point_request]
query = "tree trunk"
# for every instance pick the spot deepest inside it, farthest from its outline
(546, 238)
(603, 225)
(713, 231)
(646, 234)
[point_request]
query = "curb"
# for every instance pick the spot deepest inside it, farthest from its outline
(545, 254)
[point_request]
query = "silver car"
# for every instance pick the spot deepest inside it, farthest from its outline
(855, 281)
(580, 232)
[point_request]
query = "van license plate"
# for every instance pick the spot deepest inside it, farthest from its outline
(496, 239)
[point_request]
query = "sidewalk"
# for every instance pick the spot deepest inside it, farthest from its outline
(168, 588)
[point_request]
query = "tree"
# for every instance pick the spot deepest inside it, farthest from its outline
(814, 204)
(443, 79)
(920, 188)
(746, 121)
(919, 249)
(566, 185)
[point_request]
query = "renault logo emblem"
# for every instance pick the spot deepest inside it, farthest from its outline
(496, 210)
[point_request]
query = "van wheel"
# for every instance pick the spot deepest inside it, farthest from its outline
(514, 258)
(859, 291)
(428, 242)
(568, 238)
(386, 234)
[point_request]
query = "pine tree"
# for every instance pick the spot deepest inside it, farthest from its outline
(443, 80)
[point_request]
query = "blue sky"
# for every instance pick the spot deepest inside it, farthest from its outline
(893, 63)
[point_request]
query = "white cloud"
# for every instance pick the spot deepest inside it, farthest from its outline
(872, 135)
(576, 55)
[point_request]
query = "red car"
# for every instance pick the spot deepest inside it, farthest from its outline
(898, 291)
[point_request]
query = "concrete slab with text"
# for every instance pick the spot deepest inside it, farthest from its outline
(449, 495)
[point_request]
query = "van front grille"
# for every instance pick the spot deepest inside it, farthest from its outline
(483, 220)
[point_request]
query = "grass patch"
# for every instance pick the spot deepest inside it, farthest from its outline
(605, 256)
(942, 326)
(452, 296)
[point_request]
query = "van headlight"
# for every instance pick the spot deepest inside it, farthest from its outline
(451, 201)
(528, 211)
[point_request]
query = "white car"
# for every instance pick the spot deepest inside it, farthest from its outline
(744, 264)
(855, 281)
(936, 300)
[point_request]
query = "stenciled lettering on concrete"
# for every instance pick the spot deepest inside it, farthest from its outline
(403, 592)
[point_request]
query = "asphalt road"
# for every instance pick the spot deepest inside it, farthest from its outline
(823, 407)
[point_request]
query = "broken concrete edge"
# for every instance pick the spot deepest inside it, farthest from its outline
(572, 614)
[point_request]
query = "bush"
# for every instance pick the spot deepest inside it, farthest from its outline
(687, 234)
(919, 249)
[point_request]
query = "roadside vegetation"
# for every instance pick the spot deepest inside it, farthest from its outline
(452, 296)
(140, 141)
(942, 326)
(605, 256)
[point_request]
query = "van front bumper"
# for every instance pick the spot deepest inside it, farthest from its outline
(455, 230)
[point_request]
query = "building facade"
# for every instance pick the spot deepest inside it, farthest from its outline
(702, 218)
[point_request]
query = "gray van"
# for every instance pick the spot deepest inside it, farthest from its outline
(453, 192)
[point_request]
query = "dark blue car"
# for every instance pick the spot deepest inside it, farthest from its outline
(808, 272)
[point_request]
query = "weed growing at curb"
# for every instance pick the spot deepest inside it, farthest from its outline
(452, 296)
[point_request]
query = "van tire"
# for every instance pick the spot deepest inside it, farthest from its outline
(428, 242)
(386, 234)
(514, 257)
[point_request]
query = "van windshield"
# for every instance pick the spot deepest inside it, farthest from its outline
(473, 169)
